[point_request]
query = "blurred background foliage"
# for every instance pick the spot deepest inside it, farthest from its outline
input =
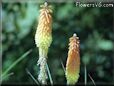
(94, 27)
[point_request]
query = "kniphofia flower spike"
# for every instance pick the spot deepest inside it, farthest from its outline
(43, 39)
(73, 60)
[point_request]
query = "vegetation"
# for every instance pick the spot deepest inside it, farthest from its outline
(94, 27)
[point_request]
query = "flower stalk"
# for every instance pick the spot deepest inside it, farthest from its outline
(73, 61)
(43, 39)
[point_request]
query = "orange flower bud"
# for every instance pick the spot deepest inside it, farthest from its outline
(43, 36)
(73, 61)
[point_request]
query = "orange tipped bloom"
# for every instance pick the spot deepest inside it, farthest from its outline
(43, 39)
(73, 61)
(43, 36)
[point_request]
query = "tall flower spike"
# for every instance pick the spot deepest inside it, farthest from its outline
(73, 61)
(43, 39)
(43, 36)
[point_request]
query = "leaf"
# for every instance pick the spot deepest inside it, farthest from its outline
(32, 76)
(49, 74)
(85, 75)
(15, 63)
(92, 79)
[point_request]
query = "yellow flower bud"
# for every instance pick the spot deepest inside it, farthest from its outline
(73, 61)
(43, 36)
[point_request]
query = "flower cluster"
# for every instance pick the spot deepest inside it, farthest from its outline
(43, 36)
(43, 39)
(73, 61)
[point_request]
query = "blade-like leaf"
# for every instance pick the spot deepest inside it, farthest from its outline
(17, 61)
(32, 76)
(49, 74)
(85, 77)
(7, 75)
(62, 65)
(92, 79)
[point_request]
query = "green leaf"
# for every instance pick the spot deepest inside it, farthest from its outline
(32, 77)
(16, 62)
(49, 74)
(85, 75)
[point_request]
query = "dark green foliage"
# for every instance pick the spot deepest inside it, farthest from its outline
(94, 27)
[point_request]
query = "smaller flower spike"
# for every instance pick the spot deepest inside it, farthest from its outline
(73, 61)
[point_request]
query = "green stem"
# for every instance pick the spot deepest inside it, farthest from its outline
(42, 63)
